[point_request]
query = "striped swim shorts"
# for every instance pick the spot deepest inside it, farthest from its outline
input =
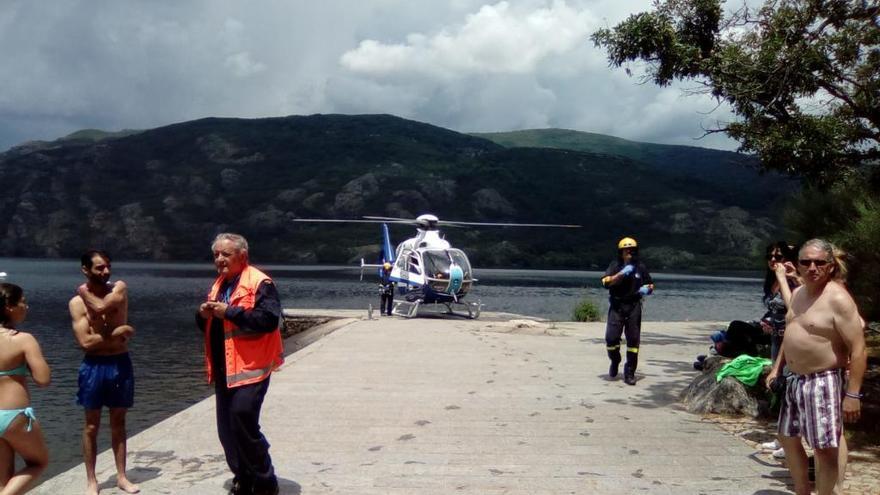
(812, 408)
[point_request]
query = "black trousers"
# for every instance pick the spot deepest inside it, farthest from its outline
(386, 301)
(238, 426)
(624, 319)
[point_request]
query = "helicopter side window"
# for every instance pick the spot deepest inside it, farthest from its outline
(414, 264)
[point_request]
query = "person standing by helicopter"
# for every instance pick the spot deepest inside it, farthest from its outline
(628, 281)
(386, 289)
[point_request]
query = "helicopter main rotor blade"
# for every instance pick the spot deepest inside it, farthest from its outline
(455, 223)
(407, 221)
(389, 219)
(334, 220)
(445, 223)
(493, 224)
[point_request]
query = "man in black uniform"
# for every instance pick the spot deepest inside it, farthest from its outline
(386, 289)
(627, 281)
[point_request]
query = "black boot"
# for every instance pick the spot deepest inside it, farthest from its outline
(629, 369)
(614, 356)
(629, 375)
(266, 487)
(266, 490)
(241, 487)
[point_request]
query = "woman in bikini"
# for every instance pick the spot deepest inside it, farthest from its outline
(20, 432)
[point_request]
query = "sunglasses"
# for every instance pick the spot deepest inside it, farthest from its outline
(819, 263)
(776, 257)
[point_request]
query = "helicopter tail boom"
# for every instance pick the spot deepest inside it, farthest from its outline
(387, 251)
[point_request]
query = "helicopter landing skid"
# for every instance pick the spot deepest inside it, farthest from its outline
(410, 309)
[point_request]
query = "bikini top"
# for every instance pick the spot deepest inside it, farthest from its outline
(21, 371)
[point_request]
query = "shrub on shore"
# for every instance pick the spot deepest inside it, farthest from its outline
(586, 310)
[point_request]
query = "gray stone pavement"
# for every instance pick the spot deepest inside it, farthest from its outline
(488, 406)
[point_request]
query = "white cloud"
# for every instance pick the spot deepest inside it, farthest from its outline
(498, 39)
(468, 65)
(513, 66)
(242, 66)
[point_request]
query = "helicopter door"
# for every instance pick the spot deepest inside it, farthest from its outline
(402, 265)
(410, 270)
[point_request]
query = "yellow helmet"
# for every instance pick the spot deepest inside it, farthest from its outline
(386, 266)
(627, 242)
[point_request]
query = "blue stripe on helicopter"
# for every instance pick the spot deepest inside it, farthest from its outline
(387, 252)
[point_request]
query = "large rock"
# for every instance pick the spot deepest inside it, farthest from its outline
(729, 396)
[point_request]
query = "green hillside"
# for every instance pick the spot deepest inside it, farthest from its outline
(164, 193)
(738, 171)
(97, 134)
(572, 140)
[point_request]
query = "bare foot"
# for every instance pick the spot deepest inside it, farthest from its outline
(92, 488)
(127, 486)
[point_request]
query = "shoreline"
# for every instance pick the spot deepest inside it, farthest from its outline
(206, 268)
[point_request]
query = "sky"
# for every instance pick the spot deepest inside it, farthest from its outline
(466, 65)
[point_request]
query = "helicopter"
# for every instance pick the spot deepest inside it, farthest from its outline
(426, 268)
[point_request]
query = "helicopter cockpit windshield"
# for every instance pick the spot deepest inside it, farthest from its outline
(437, 267)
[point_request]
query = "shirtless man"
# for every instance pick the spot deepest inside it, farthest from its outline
(99, 311)
(823, 335)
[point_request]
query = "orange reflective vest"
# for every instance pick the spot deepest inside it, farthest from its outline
(250, 357)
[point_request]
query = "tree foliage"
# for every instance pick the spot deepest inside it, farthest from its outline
(848, 214)
(802, 76)
(803, 79)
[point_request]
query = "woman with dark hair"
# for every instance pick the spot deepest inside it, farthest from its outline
(780, 278)
(20, 431)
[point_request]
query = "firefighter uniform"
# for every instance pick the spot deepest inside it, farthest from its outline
(627, 283)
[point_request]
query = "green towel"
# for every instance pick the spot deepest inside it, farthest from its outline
(744, 368)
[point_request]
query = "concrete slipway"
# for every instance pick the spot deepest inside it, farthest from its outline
(498, 405)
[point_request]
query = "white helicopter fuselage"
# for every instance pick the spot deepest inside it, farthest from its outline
(425, 267)
(423, 239)
(428, 264)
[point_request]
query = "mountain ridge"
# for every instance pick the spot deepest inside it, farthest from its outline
(163, 193)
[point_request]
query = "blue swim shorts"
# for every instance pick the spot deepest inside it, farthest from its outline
(106, 381)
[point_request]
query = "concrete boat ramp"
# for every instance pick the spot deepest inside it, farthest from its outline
(499, 405)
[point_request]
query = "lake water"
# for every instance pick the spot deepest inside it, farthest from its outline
(167, 349)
